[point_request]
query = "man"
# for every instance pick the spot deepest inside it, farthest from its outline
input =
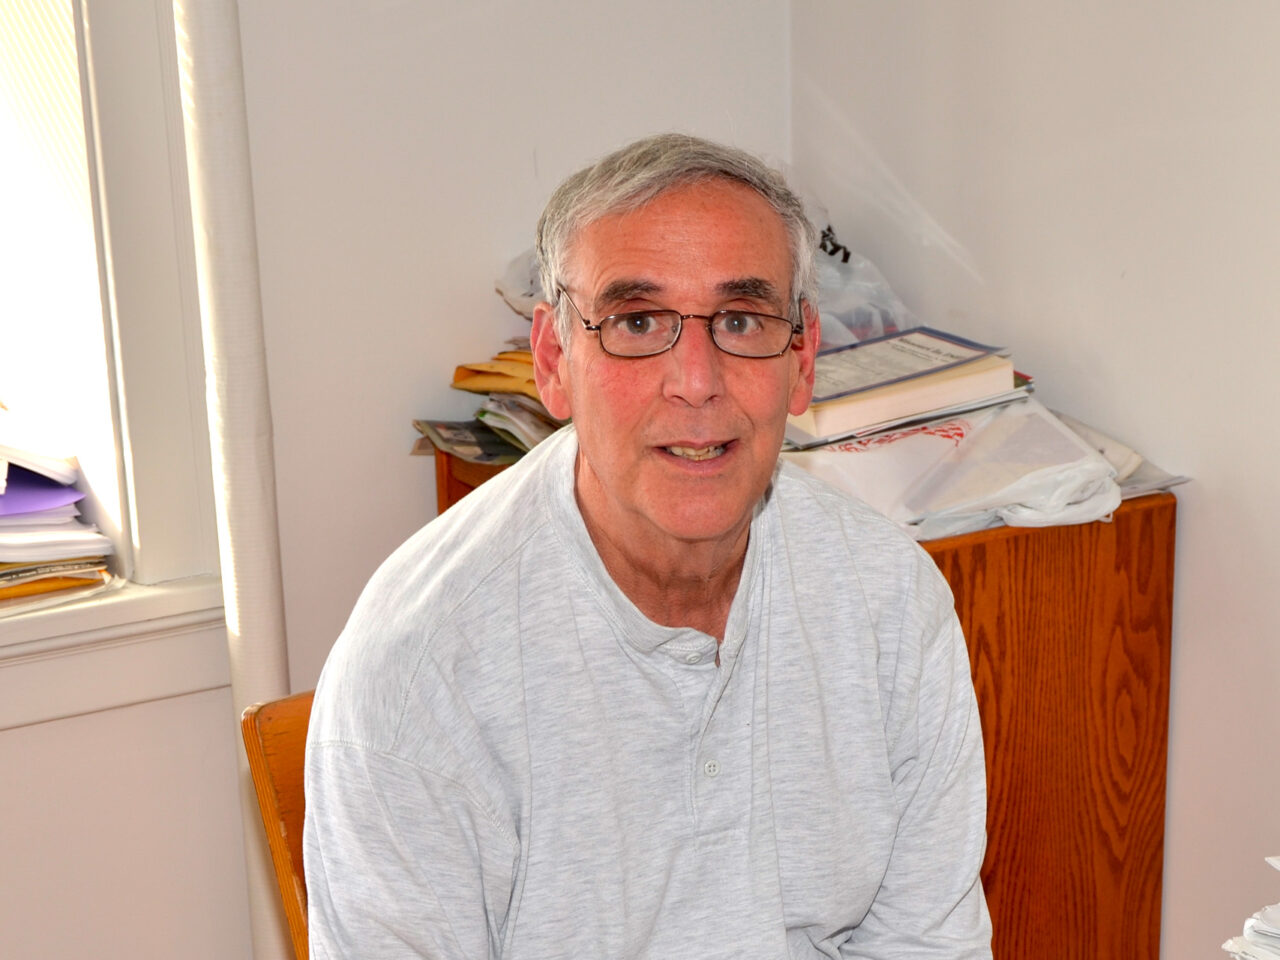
(648, 693)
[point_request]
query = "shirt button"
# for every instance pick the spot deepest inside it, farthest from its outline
(693, 658)
(711, 768)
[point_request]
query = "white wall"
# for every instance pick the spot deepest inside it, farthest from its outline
(1094, 184)
(120, 828)
(401, 155)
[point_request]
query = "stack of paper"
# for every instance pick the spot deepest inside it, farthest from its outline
(524, 421)
(510, 371)
(47, 553)
(511, 420)
(465, 439)
(1261, 937)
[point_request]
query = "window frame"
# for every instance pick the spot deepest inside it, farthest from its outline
(138, 184)
(167, 541)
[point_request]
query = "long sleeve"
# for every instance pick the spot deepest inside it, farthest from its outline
(931, 903)
(400, 862)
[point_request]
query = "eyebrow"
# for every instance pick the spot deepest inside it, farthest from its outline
(751, 288)
(620, 290)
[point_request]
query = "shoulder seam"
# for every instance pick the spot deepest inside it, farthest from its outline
(478, 802)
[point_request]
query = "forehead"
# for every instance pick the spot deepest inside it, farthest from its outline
(687, 240)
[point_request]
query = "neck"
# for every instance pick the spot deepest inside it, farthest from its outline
(673, 582)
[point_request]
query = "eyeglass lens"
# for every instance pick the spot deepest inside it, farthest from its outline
(741, 334)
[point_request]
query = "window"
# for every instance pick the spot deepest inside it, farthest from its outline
(99, 322)
(53, 370)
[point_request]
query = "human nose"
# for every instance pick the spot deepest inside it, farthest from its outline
(696, 372)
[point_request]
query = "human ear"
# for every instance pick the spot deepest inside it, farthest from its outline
(805, 353)
(550, 362)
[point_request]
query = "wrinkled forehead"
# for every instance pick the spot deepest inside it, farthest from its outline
(722, 211)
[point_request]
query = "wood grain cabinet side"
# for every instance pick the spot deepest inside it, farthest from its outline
(1069, 632)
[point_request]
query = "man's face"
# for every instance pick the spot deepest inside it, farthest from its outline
(678, 446)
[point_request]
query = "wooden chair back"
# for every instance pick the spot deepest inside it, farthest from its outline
(275, 737)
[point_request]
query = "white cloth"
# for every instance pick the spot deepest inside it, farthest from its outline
(507, 759)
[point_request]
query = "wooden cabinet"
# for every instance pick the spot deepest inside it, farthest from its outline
(1069, 636)
(455, 478)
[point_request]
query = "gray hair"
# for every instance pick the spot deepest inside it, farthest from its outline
(636, 174)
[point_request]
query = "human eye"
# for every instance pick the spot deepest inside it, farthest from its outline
(638, 324)
(639, 333)
(736, 323)
(641, 325)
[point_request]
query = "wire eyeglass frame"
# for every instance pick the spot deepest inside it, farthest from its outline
(796, 328)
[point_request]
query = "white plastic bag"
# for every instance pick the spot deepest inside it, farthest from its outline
(855, 301)
(1015, 463)
(521, 284)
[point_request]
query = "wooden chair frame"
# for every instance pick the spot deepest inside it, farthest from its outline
(275, 737)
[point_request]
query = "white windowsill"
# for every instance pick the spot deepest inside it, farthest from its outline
(126, 611)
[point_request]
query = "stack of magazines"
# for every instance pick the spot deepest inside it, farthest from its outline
(510, 421)
(48, 553)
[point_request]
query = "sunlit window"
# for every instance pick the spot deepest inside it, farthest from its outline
(54, 373)
(100, 347)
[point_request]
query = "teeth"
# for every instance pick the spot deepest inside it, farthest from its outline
(696, 453)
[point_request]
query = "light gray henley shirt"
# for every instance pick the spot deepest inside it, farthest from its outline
(507, 759)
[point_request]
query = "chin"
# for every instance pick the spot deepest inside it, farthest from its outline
(697, 525)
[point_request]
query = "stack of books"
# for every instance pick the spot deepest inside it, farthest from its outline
(906, 377)
(48, 554)
(510, 421)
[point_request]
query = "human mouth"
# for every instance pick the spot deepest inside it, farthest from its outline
(696, 453)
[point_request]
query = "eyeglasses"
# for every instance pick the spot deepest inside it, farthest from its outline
(646, 333)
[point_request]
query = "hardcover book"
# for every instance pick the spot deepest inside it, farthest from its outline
(900, 376)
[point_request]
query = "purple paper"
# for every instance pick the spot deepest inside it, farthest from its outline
(29, 492)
